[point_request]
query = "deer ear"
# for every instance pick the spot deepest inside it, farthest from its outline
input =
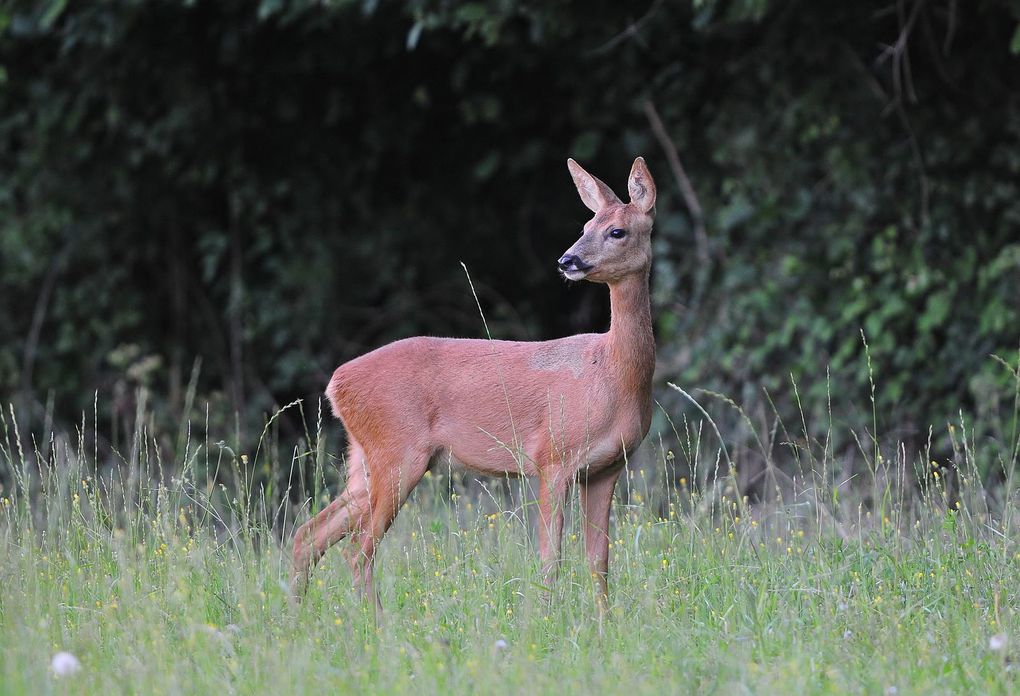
(641, 187)
(594, 194)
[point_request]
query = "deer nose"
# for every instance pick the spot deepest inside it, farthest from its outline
(568, 261)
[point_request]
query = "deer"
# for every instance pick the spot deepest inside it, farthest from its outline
(565, 411)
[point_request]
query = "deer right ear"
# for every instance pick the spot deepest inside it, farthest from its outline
(641, 187)
(594, 194)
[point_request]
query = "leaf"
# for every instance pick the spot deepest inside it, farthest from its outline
(52, 13)
(414, 35)
(936, 310)
(737, 211)
(1014, 44)
(267, 8)
(488, 166)
(471, 13)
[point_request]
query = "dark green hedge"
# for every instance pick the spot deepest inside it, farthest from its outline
(275, 187)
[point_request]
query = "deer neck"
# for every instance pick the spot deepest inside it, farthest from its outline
(631, 343)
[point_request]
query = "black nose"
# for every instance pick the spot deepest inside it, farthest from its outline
(567, 261)
(572, 262)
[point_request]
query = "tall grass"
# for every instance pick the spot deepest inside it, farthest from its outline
(170, 576)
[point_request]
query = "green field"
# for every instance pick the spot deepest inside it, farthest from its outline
(894, 585)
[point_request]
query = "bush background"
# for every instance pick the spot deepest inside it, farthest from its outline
(239, 196)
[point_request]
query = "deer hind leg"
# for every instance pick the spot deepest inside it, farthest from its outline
(333, 523)
(389, 487)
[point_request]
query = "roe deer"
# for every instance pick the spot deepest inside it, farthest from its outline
(564, 410)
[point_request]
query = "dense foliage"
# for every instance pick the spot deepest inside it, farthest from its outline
(243, 195)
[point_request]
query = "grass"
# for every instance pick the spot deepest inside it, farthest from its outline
(161, 579)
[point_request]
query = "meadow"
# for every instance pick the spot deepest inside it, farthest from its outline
(170, 577)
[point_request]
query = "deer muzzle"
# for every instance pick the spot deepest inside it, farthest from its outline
(572, 267)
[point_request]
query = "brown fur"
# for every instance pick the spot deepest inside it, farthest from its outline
(565, 410)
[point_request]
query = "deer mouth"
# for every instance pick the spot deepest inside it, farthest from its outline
(572, 267)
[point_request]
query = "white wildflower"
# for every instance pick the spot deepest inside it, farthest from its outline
(64, 664)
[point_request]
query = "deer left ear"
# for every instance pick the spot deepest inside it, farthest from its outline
(641, 187)
(594, 193)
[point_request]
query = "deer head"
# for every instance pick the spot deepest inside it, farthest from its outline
(616, 243)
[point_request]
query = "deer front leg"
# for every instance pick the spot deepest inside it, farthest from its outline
(596, 500)
(552, 499)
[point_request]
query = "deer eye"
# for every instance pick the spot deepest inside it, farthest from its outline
(618, 234)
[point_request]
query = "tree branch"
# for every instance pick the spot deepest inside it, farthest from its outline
(38, 317)
(682, 181)
(630, 32)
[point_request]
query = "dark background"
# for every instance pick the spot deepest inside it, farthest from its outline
(239, 196)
